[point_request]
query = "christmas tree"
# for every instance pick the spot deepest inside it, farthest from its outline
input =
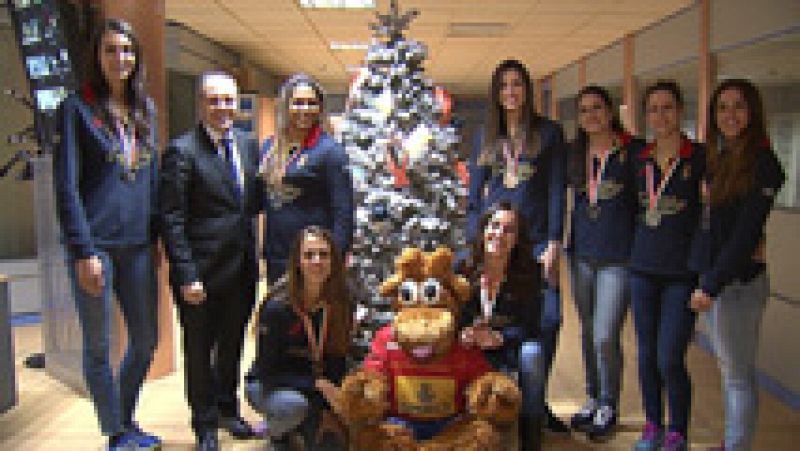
(397, 135)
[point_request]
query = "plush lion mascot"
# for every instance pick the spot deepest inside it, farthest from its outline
(419, 389)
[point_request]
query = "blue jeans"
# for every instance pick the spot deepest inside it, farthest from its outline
(551, 325)
(664, 325)
(129, 274)
(600, 293)
(532, 379)
(734, 323)
(551, 318)
(287, 410)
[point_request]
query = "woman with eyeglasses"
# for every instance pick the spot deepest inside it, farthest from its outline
(304, 330)
(667, 174)
(105, 184)
(306, 178)
(744, 176)
(598, 171)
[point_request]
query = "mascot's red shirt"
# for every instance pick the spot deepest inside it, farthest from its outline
(425, 391)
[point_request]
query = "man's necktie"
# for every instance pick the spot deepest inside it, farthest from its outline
(227, 144)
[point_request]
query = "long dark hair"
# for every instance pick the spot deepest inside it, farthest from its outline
(334, 290)
(135, 96)
(731, 163)
(576, 162)
(496, 127)
(523, 272)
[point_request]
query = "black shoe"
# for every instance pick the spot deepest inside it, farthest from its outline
(208, 441)
(554, 424)
(237, 427)
(603, 424)
(530, 433)
(582, 420)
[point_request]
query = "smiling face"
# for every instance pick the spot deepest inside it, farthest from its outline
(500, 234)
(117, 56)
(512, 91)
(218, 101)
(304, 108)
(426, 296)
(663, 113)
(594, 115)
(315, 259)
(732, 113)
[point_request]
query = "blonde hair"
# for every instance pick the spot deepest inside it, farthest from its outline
(275, 160)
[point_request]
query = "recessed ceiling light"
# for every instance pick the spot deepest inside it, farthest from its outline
(339, 4)
(341, 45)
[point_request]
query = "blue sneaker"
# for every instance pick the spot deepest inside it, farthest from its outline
(122, 442)
(142, 440)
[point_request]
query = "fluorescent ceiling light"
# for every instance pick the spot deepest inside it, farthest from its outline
(477, 29)
(339, 4)
(341, 45)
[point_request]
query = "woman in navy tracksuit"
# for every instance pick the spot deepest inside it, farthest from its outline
(304, 332)
(105, 183)
(599, 173)
(520, 160)
(744, 176)
(667, 176)
(307, 181)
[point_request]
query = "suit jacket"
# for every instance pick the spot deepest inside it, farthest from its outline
(207, 227)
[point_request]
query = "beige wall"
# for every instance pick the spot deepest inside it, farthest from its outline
(566, 82)
(602, 68)
(17, 238)
(729, 26)
(674, 39)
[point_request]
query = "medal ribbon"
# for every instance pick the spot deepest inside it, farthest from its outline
(292, 157)
(316, 344)
(512, 157)
(653, 196)
(128, 141)
(487, 305)
(596, 175)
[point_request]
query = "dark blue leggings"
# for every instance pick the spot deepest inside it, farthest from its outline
(664, 325)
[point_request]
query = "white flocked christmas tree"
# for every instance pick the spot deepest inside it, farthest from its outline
(399, 141)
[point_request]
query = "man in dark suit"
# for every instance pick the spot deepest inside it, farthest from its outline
(208, 200)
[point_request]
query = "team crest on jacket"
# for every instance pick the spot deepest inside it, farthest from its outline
(283, 194)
